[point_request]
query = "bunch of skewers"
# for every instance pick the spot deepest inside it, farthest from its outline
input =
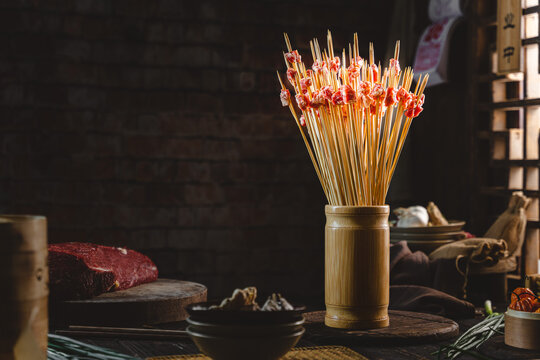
(353, 119)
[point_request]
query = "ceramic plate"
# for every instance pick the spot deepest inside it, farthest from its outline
(453, 226)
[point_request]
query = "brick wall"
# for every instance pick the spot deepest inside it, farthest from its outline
(157, 125)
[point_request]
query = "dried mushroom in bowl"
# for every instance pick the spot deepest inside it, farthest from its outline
(245, 300)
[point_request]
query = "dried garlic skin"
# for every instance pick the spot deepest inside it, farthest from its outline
(414, 216)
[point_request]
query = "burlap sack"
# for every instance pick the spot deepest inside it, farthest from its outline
(478, 250)
(511, 224)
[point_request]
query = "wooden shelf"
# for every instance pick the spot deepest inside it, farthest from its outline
(513, 276)
(487, 78)
(504, 192)
(508, 163)
(512, 138)
(531, 10)
(509, 104)
(529, 41)
(500, 133)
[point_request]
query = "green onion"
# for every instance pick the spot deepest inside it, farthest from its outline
(473, 338)
(487, 306)
(64, 348)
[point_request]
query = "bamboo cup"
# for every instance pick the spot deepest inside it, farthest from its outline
(23, 287)
(357, 266)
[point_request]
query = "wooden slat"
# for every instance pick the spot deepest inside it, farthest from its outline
(509, 104)
(488, 78)
(508, 36)
(529, 41)
(521, 162)
(504, 192)
(531, 10)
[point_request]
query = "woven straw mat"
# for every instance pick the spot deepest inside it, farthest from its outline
(305, 353)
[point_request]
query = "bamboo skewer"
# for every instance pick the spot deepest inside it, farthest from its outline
(357, 118)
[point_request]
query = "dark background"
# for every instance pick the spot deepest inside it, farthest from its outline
(157, 125)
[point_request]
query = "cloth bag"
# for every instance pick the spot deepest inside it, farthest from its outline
(511, 224)
(416, 271)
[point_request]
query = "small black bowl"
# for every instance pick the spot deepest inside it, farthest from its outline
(200, 312)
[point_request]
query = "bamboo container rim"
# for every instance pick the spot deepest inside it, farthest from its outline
(357, 210)
(522, 314)
(23, 233)
(10, 219)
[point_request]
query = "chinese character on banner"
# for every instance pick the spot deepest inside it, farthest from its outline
(508, 36)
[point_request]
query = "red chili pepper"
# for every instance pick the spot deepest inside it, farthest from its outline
(521, 293)
(525, 304)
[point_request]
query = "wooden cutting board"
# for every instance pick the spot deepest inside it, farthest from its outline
(159, 302)
(405, 328)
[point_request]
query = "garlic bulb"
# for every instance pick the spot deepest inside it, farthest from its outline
(414, 216)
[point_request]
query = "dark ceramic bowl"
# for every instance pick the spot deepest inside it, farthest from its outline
(246, 330)
(234, 334)
(243, 347)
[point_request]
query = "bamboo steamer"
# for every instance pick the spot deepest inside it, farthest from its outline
(24, 277)
(357, 266)
(522, 329)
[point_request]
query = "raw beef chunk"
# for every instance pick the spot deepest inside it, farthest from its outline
(83, 270)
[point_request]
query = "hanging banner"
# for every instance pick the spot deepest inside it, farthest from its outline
(508, 36)
(432, 52)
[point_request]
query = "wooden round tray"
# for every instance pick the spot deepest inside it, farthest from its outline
(405, 328)
(453, 225)
(158, 302)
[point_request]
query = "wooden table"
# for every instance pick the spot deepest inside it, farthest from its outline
(494, 348)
